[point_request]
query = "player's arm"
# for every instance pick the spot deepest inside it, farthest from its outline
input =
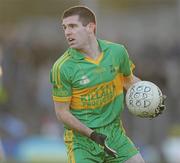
(64, 115)
(130, 81)
(126, 68)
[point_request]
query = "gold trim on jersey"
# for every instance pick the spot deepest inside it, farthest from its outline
(56, 68)
(132, 66)
(122, 127)
(61, 99)
(68, 139)
(95, 61)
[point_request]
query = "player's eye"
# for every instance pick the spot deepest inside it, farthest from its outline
(72, 25)
(64, 27)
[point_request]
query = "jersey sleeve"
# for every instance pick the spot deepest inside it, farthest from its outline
(127, 65)
(61, 87)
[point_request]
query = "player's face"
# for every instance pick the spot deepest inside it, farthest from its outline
(76, 34)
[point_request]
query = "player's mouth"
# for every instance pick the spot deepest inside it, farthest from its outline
(70, 40)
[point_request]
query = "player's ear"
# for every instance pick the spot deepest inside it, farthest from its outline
(91, 27)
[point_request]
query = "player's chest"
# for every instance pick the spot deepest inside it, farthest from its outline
(89, 74)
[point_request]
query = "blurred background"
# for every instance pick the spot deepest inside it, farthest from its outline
(31, 39)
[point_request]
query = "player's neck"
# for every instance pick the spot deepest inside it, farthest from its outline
(91, 49)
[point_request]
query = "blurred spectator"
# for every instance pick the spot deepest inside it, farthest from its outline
(171, 145)
(151, 154)
(13, 126)
(51, 128)
(2, 155)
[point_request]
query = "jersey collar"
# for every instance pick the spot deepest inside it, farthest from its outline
(77, 55)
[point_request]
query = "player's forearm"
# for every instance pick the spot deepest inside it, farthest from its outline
(131, 82)
(68, 119)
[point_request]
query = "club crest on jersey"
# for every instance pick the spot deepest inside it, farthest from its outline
(84, 80)
(114, 69)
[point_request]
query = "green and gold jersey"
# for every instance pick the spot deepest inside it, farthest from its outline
(94, 88)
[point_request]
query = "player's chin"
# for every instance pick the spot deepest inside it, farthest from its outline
(75, 46)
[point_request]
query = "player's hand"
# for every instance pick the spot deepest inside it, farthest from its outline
(101, 139)
(161, 107)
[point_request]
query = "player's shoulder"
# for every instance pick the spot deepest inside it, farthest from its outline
(62, 62)
(112, 45)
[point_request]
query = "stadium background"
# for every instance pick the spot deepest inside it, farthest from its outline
(31, 39)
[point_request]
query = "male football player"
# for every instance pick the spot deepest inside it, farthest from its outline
(88, 81)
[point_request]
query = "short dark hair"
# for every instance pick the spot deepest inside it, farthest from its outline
(86, 15)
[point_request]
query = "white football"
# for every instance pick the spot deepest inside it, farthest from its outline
(143, 98)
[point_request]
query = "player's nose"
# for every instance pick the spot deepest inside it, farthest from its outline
(68, 31)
